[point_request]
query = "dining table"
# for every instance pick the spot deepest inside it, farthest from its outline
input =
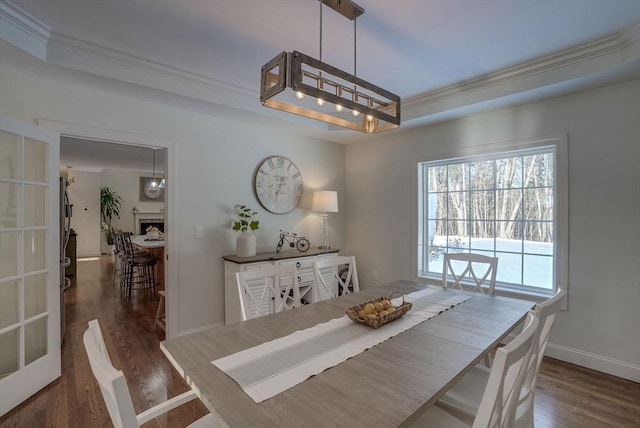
(387, 385)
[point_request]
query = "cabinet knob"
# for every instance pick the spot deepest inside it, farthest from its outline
(298, 265)
(299, 279)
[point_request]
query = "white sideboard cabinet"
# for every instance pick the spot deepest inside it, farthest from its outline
(302, 261)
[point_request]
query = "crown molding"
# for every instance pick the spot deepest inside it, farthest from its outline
(94, 52)
(590, 51)
(24, 31)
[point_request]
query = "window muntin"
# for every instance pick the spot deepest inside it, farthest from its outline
(500, 204)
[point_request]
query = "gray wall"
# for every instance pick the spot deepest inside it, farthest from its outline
(214, 161)
(601, 328)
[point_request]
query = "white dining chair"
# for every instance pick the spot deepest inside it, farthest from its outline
(267, 289)
(463, 399)
(115, 391)
(335, 276)
(470, 268)
(497, 408)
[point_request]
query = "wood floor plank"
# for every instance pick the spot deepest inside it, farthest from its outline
(567, 396)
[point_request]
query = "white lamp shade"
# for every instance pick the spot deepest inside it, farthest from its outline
(325, 201)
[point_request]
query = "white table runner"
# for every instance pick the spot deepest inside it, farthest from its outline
(270, 368)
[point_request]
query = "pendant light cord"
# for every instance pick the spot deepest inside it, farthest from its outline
(320, 30)
(355, 18)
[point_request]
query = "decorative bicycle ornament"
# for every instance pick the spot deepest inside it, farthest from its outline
(299, 242)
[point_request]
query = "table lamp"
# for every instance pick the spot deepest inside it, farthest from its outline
(325, 201)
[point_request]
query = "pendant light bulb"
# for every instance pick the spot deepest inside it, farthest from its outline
(369, 117)
(320, 101)
(355, 112)
(338, 107)
(299, 95)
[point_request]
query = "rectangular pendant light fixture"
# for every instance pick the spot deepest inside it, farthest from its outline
(299, 84)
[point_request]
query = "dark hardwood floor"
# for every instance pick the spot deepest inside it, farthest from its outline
(567, 395)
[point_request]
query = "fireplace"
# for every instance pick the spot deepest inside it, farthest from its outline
(155, 222)
(142, 220)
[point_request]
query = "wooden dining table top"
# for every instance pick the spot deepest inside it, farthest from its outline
(388, 385)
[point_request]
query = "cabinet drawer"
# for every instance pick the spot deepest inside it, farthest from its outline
(305, 278)
(305, 263)
(254, 266)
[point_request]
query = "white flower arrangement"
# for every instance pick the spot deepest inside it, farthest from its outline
(154, 231)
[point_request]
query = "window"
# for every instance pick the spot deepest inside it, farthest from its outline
(505, 201)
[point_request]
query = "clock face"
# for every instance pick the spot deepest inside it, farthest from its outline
(278, 185)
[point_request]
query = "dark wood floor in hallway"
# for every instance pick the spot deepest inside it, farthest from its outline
(567, 395)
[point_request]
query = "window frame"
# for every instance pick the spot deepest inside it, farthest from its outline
(561, 200)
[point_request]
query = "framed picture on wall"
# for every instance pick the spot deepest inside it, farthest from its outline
(149, 192)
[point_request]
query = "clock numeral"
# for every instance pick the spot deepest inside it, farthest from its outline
(262, 172)
(280, 162)
(270, 162)
(296, 175)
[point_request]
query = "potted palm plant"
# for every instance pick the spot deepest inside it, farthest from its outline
(110, 203)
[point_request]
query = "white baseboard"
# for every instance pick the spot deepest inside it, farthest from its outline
(591, 361)
(595, 362)
(82, 255)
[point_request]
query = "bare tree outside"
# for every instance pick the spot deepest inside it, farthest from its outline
(503, 207)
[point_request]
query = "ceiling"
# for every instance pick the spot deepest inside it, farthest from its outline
(444, 58)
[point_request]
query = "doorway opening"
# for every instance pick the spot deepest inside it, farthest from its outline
(133, 146)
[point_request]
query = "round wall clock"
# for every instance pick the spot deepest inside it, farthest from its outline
(278, 184)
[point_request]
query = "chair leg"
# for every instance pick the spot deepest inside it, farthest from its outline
(115, 269)
(160, 312)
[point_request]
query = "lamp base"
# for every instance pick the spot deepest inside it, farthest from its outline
(325, 231)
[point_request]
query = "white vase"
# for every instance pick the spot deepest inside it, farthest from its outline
(246, 244)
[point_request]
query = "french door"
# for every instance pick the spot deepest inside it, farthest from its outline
(29, 261)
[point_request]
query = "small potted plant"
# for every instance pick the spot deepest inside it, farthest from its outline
(246, 241)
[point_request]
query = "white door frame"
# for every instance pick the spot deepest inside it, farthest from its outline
(135, 139)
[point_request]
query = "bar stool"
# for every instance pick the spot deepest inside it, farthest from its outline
(138, 268)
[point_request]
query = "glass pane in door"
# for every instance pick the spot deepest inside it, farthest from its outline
(34, 250)
(35, 295)
(9, 149)
(35, 200)
(35, 161)
(8, 254)
(35, 340)
(9, 303)
(9, 205)
(9, 353)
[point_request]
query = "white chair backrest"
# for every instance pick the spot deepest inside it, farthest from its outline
(500, 398)
(328, 279)
(267, 289)
(476, 268)
(546, 312)
(112, 382)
